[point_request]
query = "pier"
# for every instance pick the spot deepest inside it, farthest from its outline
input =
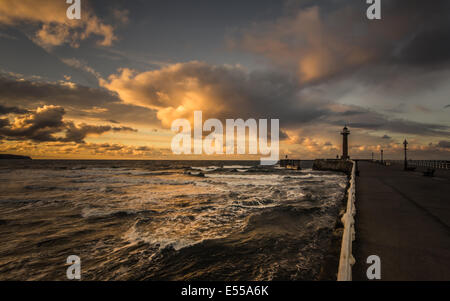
(290, 163)
(397, 210)
(435, 164)
(404, 218)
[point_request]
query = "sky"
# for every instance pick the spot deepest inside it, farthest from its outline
(108, 86)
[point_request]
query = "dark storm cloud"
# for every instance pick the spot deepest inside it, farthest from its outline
(315, 42)
(37, 126)
(444, 144)
(323, 39)
(352, 112)
(242, 94)
(7, 110)
(4, 122)
(13, 90)
(43, 124)
(429, 47)
(79, 100)
(425, 37)
(74, 133)
(375, 121)
(405, 127)
(219, 91)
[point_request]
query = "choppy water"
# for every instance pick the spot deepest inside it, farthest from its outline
(165, 220)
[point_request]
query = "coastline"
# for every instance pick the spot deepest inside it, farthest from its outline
(14, 157)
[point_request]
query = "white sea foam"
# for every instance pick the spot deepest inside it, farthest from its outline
(119, 210)
(236, 166)
(205, 169)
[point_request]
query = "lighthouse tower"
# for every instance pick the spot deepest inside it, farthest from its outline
(345, 132)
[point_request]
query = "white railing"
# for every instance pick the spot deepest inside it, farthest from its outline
(346, 260)
(435, 164)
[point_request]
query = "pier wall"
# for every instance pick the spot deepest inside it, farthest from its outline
(333, 165)
(346, 259)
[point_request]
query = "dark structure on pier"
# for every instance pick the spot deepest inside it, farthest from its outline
(290, 163)
(345, 132)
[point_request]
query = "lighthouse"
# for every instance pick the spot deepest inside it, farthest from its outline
(345, 132)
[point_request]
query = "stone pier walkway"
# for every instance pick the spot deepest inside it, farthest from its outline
(404, 218)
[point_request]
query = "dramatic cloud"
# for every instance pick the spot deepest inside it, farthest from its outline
(84, 150)
(323, 65)
(16, 90)
(222, 92)
(54, 26)
(40, 125)
(7, 110)
(370, 120)
(177, 90)
(444, 144)
(306, 43)
(320, 39)
(76, 99)
(77, 133)
(44, 125)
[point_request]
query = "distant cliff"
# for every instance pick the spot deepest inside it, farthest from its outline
(10, 157)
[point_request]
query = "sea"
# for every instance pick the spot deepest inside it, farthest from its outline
(168, 220)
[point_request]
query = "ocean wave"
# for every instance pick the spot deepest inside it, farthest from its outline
(157, 222)
(135, 236)
(256, 203)
(92, 213)
(237, 166)
(248, 177)
(205, 169)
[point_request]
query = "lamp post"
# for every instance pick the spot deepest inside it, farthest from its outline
(405, 143)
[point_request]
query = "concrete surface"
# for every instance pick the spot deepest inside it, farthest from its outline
(404, 218)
